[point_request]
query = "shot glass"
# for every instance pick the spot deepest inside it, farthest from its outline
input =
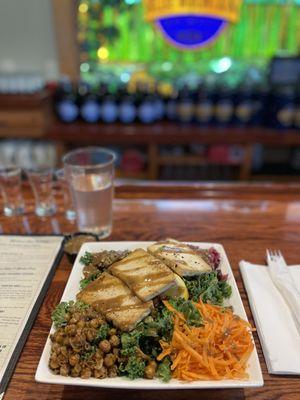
(90, 174)
(10, 182)
(70, 213)
(41, 181)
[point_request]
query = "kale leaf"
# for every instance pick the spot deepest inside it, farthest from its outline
(102, 333)
(159, 325)
(164, 370)
(85, 281)
(62, 309)
(130, 342)
(87, 258)
(88, 354)
(134, 367)
(188, 309)
(208, 288)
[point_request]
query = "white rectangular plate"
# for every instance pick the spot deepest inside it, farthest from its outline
(44, 374)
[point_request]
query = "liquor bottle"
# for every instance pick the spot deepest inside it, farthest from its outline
(283, 107)
(260, 99)
(297, 107)
(146, 109)
(66, 102)
(90, 109)
(109, 106)
(185, 105)
(244, 105)
(204, 107)
(224, 106)
(159, 103)
(127, 107)
(171, 105)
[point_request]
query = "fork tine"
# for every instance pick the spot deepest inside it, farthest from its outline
(278, 253)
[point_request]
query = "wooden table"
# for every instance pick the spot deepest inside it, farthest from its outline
(246, 219)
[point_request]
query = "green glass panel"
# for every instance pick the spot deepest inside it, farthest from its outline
(266, 27)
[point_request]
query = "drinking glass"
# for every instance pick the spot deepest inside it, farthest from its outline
(70, 213)
(90, 174)
(10, 180)
(41, 181)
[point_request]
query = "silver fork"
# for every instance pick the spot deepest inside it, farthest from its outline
(276, 262)
(284, 282)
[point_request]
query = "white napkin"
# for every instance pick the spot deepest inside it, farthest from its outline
(275, 324)
(284, 281)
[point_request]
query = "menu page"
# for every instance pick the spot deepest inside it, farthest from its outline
(25, 263)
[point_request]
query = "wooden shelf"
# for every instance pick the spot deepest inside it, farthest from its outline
(190, 160)
(168, 133)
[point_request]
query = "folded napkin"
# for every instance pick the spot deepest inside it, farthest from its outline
(276, 327)
(284, 281)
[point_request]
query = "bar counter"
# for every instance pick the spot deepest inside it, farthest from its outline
(247, 219)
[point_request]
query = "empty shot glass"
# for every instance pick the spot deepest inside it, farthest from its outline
(10, 183)
(41, 181)
(64, 187)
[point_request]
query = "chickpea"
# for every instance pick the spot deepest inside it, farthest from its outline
(81, 324)
(77, 368)
(99, 363)
(64, 370)
(81, 337)
(86, 373)
(75, 344)
(59, 338)
(66, 341)
(53, 364)
(97, 374)
(99, 354)
(109, 360)
(105, 346)
(100, 373)
(53, 356)
(75, 318)
(114, 341)
(67, 317)
(90, 313)
(61, 360)
(74, 359)
(56, 348)
(91, 334)
(74, 373)
(112, 331)
(150, 370)
(116, 351)
(64, 351)
(94, 323)
(101, 321)
(113, 371)
(70, 329)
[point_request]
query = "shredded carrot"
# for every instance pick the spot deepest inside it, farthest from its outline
(219, 349)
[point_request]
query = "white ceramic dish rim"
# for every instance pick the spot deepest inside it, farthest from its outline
(44, 374)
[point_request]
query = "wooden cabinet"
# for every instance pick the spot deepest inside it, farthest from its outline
(25, 116)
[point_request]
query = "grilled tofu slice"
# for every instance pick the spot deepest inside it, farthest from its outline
(110, 296)
(180, 257)
(144, 274)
